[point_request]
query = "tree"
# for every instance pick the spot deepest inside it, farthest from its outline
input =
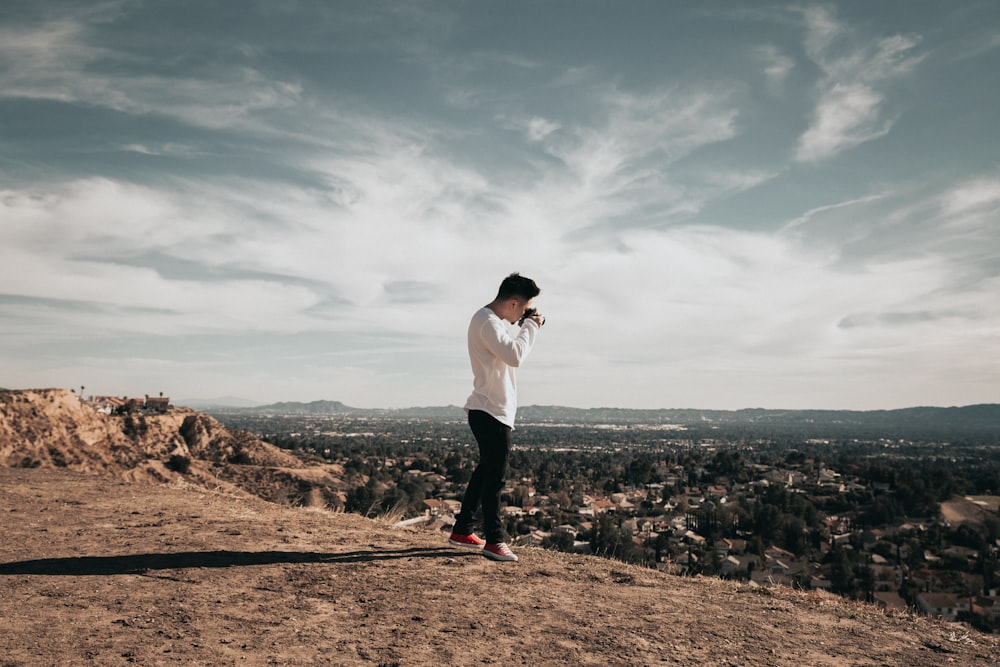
(866, 578)
(560, 541)
(841, 572)
(794, 536)
(768, 522)
(361, 499)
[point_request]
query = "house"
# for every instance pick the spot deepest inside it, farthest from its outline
(737, 545)
(427, 476)
(542, 500)
(729, 566)
(828, 477)
(837, 524)
(796, 478)
(625, 506)
(435, 507)
(686, 560)
(775, 573)
(943, 581)
(723, 547)
(717, 493)
(694, 538)
(602, 505)
(567, 529)
(108, 404)
(888, 577)
(737, 566)
(778, 552)
(889, 601)
(158, 404)
(942, 605)
(778, 567)
(534, 538)
(775, 478)
(986, 606)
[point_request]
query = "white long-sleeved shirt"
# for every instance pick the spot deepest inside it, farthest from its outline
(494, 355)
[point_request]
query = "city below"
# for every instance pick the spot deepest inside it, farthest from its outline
(896, 508)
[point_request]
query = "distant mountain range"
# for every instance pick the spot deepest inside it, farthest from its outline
(338, 408)
(219, 402)
(983, 415)
(950, 422)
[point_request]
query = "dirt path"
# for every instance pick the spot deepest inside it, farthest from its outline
(99, 571)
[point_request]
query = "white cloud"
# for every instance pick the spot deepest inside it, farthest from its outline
(58, 60)
(777, 66)
(539, 128)
(979, 45)
(980, 195)
(844, 117)
(812, 213)
(162, 149)
(851, 105)
(40, 61)
(681, 310)
(619, 164)
(70, 246)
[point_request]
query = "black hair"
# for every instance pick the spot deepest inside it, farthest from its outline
(516, 285)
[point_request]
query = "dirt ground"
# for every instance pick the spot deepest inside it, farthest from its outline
(97, 570)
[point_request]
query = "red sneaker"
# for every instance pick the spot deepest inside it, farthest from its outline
(468, 541)
(499, 551)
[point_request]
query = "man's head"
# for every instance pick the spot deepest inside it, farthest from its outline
(516, 285)
(514, 297)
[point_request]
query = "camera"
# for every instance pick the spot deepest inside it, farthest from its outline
(528, 313)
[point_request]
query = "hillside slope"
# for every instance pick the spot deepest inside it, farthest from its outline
(52, 428)
(96, 570)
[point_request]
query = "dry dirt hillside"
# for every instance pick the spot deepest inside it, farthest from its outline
(142, 564)
(52, 428)
(100, 570)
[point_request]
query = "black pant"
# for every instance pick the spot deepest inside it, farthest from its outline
(486, 483)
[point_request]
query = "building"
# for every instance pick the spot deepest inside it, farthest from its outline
(889, 601)
(158, 404)
(942, 605)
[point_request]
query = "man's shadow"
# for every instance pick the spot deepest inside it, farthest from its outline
(141, 563)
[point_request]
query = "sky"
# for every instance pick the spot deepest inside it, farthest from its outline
(726, 204)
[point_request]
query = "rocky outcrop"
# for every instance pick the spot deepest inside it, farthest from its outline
(53, 428)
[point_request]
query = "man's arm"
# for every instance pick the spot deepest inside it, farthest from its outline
(511, 350)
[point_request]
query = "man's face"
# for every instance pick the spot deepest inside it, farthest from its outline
(517, 308)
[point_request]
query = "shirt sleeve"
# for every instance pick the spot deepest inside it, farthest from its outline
(511, 350)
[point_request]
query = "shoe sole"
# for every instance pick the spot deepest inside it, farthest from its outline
(477, 547)
(500, 559)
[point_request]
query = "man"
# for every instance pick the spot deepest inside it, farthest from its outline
(494, 355)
